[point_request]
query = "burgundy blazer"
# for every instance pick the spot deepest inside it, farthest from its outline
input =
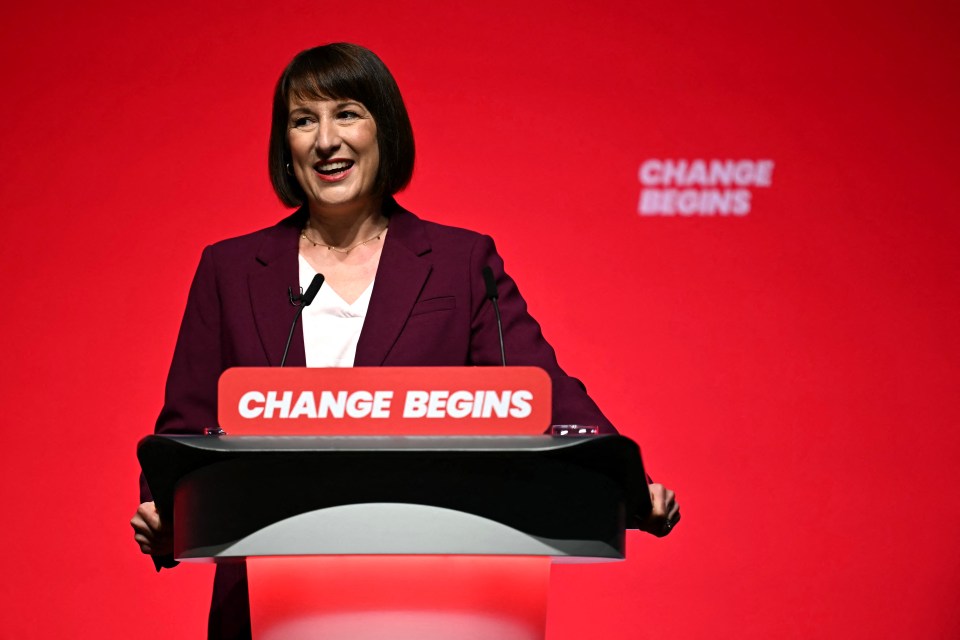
(428, 308)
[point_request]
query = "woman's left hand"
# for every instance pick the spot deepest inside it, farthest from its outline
(665, 513)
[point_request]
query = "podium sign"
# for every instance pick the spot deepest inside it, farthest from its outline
(384, 401)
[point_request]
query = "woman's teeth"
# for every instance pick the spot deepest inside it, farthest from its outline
(331, 168)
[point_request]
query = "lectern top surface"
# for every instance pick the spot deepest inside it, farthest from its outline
(384, 443)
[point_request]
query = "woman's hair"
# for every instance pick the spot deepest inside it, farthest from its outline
(343, 71)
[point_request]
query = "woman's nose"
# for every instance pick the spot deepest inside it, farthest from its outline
(328, 137)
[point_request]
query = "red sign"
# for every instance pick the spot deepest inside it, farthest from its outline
(385, 401)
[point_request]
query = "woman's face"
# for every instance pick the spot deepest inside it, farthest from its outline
(334, 151)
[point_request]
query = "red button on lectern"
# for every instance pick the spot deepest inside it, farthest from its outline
(397, 536)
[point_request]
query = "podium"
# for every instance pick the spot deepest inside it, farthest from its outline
(397, 536)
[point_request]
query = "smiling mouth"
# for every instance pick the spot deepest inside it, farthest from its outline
(332, 168)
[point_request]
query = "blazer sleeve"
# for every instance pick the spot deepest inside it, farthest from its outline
(190, 398)
(524, 344)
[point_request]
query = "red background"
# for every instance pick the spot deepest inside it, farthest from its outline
(792, 373)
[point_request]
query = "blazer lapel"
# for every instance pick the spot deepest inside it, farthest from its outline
(401, 275)
(272, 311)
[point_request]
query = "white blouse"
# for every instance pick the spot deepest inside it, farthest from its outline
(331, 327)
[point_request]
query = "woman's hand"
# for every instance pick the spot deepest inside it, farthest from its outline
(665, 513)
(152, 535)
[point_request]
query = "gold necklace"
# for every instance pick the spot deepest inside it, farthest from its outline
(303, 234)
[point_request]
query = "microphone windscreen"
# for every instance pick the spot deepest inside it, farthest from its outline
(312, 290)
(491, 284)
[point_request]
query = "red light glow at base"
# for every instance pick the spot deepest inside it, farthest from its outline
(398, 597)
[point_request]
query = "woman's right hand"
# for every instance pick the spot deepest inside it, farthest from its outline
(150, 533)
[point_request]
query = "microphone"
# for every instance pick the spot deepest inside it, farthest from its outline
(312, 290)
(304, 302)
(493, 296)
(297, 299)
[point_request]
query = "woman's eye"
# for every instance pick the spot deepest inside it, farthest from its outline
(302, 121)
(348, 115)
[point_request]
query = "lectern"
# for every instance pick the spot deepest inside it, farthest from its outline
(397, 536)
(423, 504)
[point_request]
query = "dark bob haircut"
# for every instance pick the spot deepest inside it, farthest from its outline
(343, 71)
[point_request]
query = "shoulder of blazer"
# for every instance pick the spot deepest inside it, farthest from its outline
(422, 236)
(263, 245)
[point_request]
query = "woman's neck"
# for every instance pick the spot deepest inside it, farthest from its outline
(342, 226)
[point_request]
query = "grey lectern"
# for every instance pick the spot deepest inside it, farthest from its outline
(524, 497)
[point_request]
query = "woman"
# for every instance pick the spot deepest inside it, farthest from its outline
(398, 290)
